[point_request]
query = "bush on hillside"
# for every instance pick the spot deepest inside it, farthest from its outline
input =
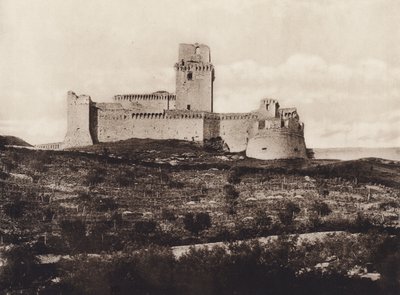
(196, 222)
(321, 208)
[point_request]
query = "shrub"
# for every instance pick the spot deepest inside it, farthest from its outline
(9, 164)
(362, 223)
(231, 194)
(122, 180)
(234, 177)
(176, 184)
(95, 176)
(292, 208)
(231, 210)
(287, 215)
(145, 226)
(15, 209)
(73, 232)
(196, 222)
(20, 269)
(321, 208)
(38, 166)
(3, 175)
(388, 204)
(168, 215)
(215, 144)
(262, 219)
(106, 204)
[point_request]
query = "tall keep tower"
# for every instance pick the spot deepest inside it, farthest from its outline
(194, 78)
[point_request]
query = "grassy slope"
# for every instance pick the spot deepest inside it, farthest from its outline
(367, 170)
(193, 183)
(180, 177)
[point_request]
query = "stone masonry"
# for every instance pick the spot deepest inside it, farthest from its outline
(267, 133)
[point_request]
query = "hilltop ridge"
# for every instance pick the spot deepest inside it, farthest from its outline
(13, 140)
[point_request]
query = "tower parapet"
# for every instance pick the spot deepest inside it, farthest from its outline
(194, 78)
(269, 108)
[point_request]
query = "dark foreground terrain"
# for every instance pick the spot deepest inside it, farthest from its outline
(116, 219)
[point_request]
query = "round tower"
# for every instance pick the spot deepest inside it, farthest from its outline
(194, 78)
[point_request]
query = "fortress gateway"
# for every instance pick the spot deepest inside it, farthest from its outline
(267, 133)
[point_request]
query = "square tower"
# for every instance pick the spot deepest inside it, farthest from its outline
(79, 121)
(194, 78)
(269, 108)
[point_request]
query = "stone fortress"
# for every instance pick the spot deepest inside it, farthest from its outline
(270, 132)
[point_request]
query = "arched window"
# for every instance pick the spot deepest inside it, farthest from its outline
(197, 50)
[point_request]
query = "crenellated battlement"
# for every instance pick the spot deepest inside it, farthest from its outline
(49, 146)
(151, 96)
(288, 113)
(270, 101)
(238, 116)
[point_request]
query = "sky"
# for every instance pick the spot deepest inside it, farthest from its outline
(337, 61)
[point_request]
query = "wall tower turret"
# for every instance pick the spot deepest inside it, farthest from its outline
(194, 78)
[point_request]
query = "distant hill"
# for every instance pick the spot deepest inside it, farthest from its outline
(367, 170)
(12, 140)
(357, 153)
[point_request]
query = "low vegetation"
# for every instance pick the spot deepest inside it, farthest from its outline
(116, 212)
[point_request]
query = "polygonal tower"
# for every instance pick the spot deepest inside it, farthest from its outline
(194, 78)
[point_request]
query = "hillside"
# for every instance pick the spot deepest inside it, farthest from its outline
(12, 140)
(115, 199)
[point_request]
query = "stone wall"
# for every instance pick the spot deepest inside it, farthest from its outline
(114, 125)
(234, 130)
(211, 126)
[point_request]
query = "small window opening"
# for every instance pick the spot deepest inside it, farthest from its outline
(264, 148)
(197, 50)
(188, 107)
(267, 106)
(190, 76)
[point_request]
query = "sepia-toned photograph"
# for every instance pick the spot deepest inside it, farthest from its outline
(200, 147)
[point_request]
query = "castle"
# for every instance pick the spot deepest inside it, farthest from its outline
(270, 132)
